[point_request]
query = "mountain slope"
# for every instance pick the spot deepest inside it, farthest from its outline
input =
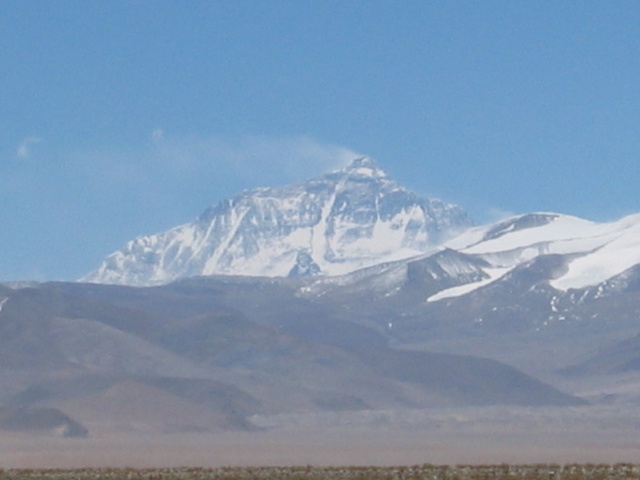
(541, 292)
(48, 421)
(334, 224)
(221, 350)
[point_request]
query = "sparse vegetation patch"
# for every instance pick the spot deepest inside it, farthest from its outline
(416, 472)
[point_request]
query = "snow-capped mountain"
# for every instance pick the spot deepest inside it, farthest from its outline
(585, 254)
(592, 252)
(555, 296)
(340, 222)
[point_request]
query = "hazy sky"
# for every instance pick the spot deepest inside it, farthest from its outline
(123, 118)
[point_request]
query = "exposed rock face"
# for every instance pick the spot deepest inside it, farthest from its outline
(305, 266)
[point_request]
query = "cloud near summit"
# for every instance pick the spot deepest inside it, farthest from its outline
(252, 160)
(166, 161)
(173, 178)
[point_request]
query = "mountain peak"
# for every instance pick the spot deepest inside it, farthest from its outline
(364, 166)
(346, 220)
(362, 162)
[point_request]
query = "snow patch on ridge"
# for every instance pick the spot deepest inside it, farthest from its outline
(2, 302)
(459, 290)
(562, 228)
(620, 253)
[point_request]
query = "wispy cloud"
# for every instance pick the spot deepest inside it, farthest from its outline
(24, 148)
(180, 176)
(496, 214)
(157, 134)
(250, 159)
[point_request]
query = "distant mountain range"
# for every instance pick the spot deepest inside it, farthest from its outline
(343, 293)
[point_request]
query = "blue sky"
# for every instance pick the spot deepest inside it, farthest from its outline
(124, 118)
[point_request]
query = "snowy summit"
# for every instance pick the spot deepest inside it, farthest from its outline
(334, 224)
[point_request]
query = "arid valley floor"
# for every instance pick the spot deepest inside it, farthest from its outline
(442, 436)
